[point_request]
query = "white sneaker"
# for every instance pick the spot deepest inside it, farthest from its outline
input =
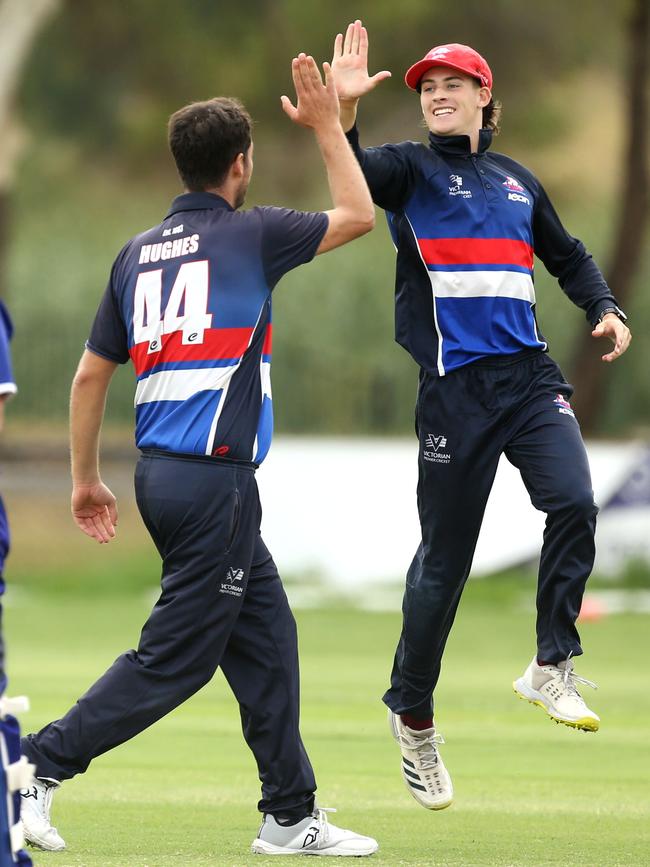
(35, 804)
(553, 687)
(312, 836)
(423, 770)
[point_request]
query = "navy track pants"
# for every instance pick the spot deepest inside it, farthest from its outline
(222, 604)
(465, 421)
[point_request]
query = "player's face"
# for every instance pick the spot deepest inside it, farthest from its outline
(452, 103)
(246, 177)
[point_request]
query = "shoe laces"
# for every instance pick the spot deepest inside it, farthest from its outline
(570, 678)
(425, 746)
(48, 790)
(320, 814)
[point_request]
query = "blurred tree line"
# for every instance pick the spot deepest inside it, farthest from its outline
(102, 80)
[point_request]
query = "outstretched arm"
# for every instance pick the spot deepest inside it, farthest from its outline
(350, 69)
(94, 509)
(318, 108)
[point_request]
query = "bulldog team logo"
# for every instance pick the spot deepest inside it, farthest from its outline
(513, 185)
(515, 191)
(438, 53)
(563, 405)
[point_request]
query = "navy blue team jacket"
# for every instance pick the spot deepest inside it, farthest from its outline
(466, 227)
(189, 302)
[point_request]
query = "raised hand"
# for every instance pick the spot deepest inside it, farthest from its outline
(350, 63)
(317, 103)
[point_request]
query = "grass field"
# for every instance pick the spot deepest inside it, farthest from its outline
(528, 792)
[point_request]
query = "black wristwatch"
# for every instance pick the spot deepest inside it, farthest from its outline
(615, 310)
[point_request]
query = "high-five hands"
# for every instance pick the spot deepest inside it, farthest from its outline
(350, 63)
(317, 103)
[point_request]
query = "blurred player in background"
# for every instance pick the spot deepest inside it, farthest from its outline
(7, 389)
(466, 223)
(15, 773)
(189, 302)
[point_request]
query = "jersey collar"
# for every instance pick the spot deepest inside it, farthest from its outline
(198, 202)
(458, 145)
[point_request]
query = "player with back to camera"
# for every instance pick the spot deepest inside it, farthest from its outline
(466, 223)
(189, 302)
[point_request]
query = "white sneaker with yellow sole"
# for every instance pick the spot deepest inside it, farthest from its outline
(553, 688)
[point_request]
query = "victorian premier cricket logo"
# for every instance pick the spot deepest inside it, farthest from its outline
(456, 187)
(435, 447)
(232, 585)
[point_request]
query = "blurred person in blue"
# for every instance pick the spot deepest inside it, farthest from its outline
(7, 389)
(466, 223)
(189, 303)
(16, 773)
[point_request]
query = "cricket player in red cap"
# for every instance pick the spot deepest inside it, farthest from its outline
(466, 223)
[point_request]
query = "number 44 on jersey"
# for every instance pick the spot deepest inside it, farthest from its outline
(186, 310)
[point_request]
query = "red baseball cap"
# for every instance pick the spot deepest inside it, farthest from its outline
(462, 58)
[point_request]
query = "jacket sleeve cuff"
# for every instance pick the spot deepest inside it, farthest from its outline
(605, 306)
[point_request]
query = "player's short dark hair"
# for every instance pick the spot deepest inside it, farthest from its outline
(205, 139)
